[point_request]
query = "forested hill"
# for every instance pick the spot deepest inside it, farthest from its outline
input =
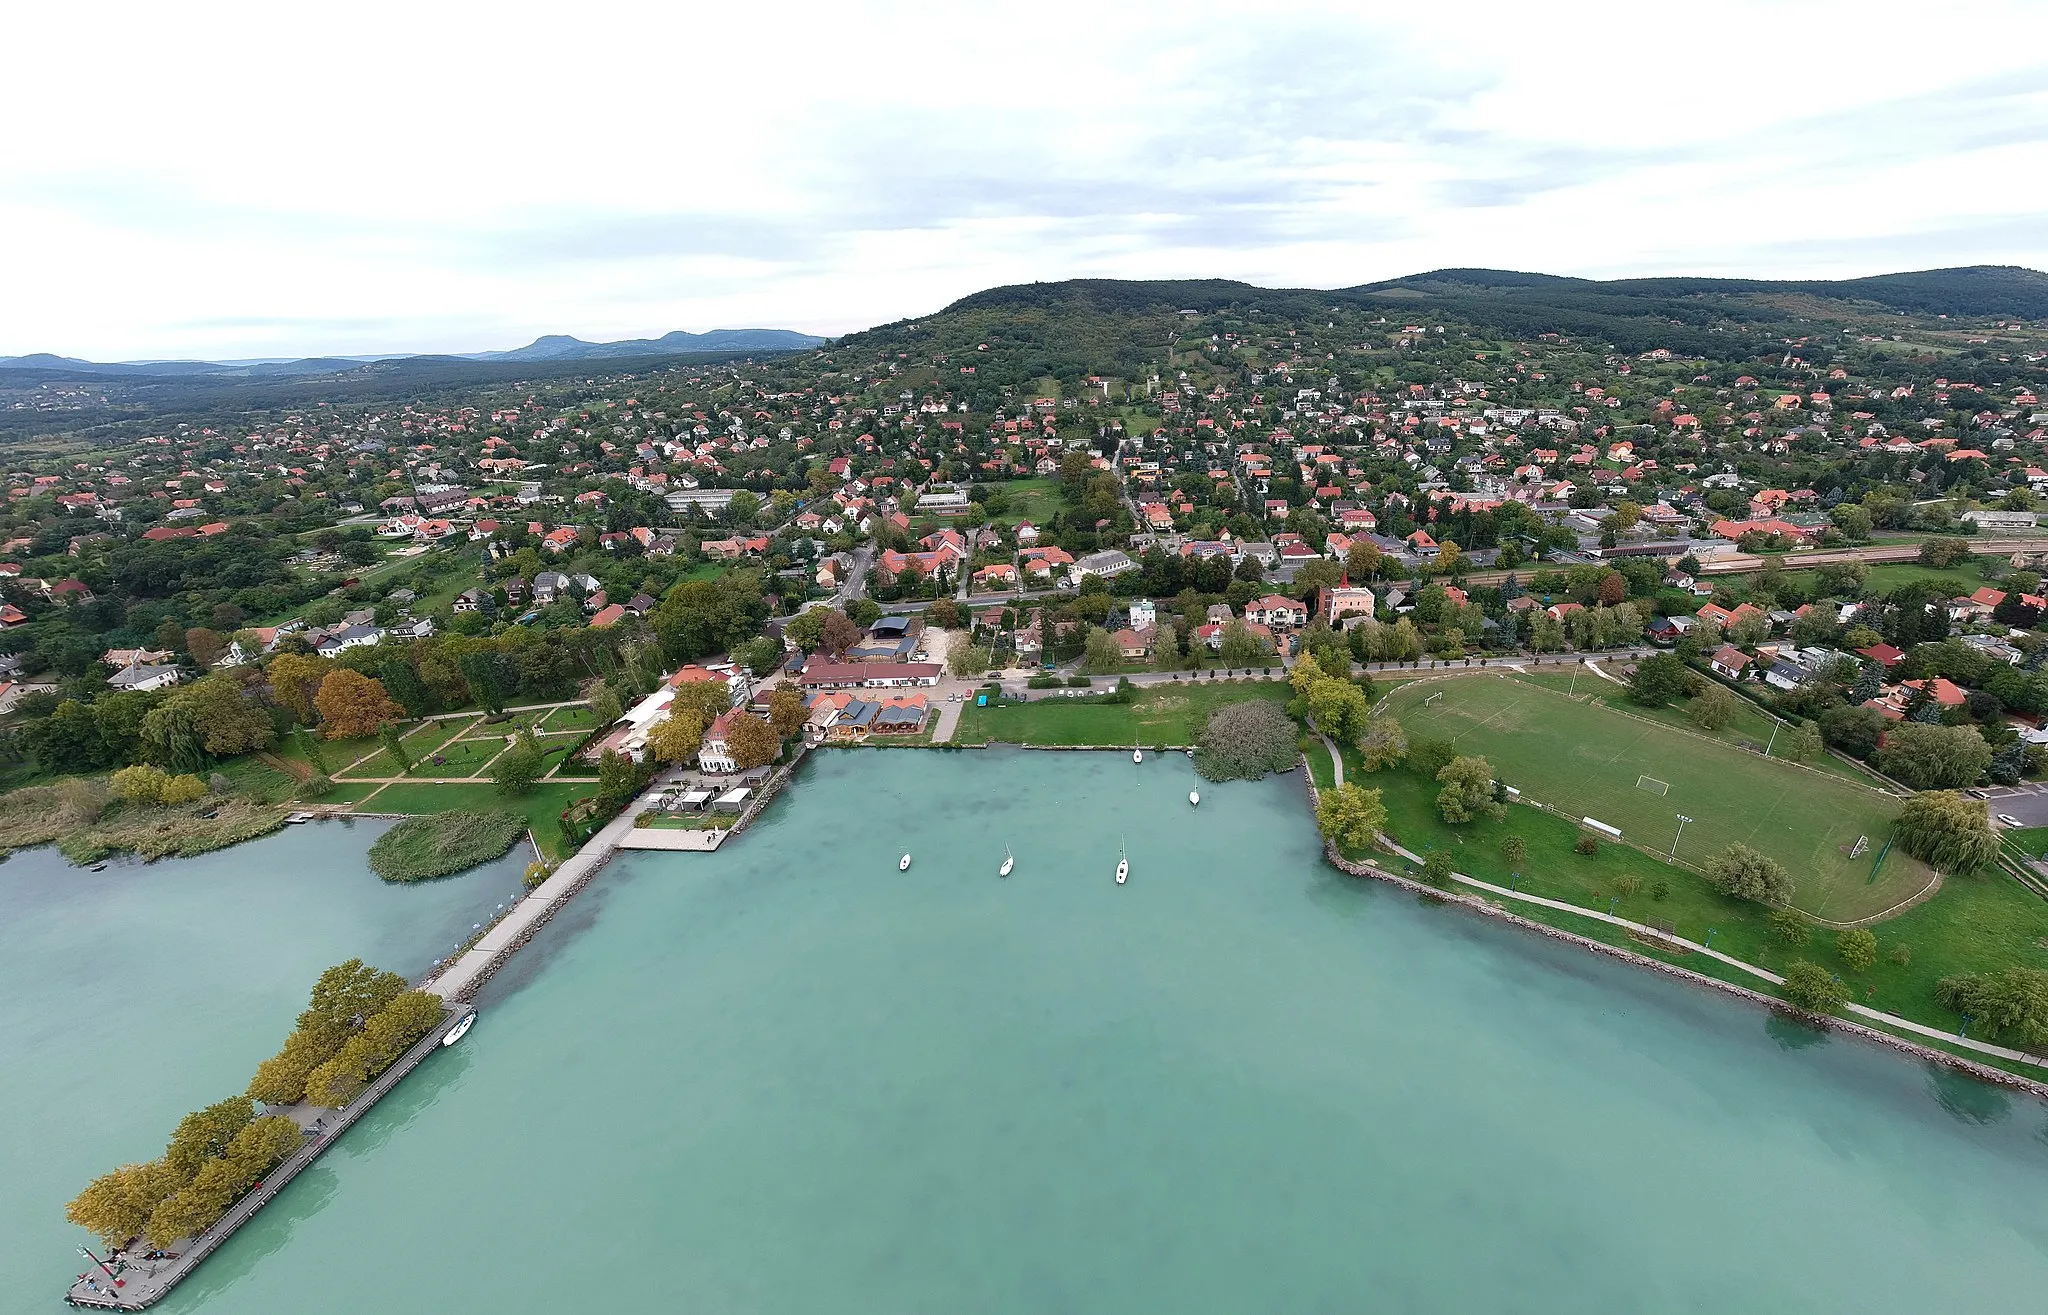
(1115, 326)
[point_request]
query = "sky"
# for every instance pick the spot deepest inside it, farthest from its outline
(223, 180)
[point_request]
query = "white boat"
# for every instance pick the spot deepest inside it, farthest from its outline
(1194, 798)
(1009, 861)
(1137, 754)
(904, 866)
(1123, 865)
(460, 1030)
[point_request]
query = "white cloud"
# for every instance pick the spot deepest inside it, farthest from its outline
(229, 180)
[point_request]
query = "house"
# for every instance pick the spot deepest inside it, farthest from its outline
(1730, 661)
(1785, 675)
(469, 600)
(821, 674)
(1110, 562)
(142, 679)
(1135, 644)
(348, 637)
(548, 586)
(135, 657)
(1275, 611)
(716, 754)
(607, 616)
(1883, 654)
(1942, 691)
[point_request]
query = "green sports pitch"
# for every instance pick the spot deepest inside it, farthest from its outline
(1588, 760)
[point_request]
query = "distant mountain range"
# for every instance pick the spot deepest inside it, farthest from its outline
(552, 347)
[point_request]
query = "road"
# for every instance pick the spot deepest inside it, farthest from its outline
(2027, 802)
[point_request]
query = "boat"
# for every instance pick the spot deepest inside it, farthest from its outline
(1195, 798)
(1137, 754)
(1123, 865)
(904, 866)
(460, 1030)
(1009, 861)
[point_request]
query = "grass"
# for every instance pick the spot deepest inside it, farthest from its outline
(540, 805)
(1586, 760)
(1169, 715)
(577, 717)
(438, 844)
(1977, 923)
(1034, 500)
(42, 815)
(464, 757)
(258, 780)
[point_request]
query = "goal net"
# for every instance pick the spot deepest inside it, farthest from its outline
(1432, 698)
(1652, 784)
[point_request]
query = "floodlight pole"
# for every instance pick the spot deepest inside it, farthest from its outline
(1773, 739)
(1682, 820)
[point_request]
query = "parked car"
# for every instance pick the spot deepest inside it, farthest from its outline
(2007, 819)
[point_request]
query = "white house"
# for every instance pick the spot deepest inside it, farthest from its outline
(716, 755)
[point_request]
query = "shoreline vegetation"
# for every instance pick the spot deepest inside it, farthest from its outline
(441, 844)
(358, 1022)
(86, 823)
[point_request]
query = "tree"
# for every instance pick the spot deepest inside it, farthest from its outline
(1362, 561)
(403, 684)
(1338, 708)
(837, 633)
(1948, 831)
(1740, 872)
(1789, 927)
(116, 1206)
(710, 698)
(1613, 589)
(1853, 521)
(804, 627)
(787, 711)
(1429, 756)
(386, 1035)
(1813, 988)
(1350, 815)
(1245, 741)
(943, 613)
(1853, 730)
(206, 647)
(1515, 850)
(1100, 654)
(1468, 790)
(1858, 948)
(294, 679)
(753, 742)
(1383, 744)
(2012, 1003)
(1436, 868)
(1657, 680)
(677, 737)
(1712, 708)
(1933, 757)
(140, 784)
(482, 673)
(1806, 742)
(604, 706)
(205, 1134)
(354, 706)
(1241, 647)
(864, 611)
(516, 769)
(759, 655)
(1944, 553)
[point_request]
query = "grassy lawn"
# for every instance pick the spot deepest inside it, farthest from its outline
(1034, 500)
(1979, 923)
(541, 805)
(1170, 715)
(577, 717)
(1750, 728)
(1586, 760)
(258, 779)
(462, 757)
(349, 792)
(337, 754)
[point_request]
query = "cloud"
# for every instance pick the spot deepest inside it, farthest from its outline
(244, 180)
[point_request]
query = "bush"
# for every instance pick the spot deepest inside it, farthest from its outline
(1902, 955)
(1789, 927)
(1515, 850)
(1813, 987)
(1436, 868)
(1627, 886)
(1739, 872)
(140, 784)
(421, 848)
(1043, 682)
(183, 790)
(1244, 741)
(1858, 948)
(1660, 890)
(315, 787)
(1586, 845)
(1079, 682)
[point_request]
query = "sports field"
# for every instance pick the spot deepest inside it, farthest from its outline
(1592, 761)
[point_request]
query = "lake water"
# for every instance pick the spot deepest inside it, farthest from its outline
(788, 1078)
(131, 996)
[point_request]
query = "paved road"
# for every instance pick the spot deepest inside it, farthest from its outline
(2028, 803)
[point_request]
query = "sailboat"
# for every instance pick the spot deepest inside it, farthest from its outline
(460, 1030)
(1194, 798)
(1009, 861)
(1137, 754)
(1123, 865)
(904, 866)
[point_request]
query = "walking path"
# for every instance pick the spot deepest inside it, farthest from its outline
(1336, 761)
(1862, 1011)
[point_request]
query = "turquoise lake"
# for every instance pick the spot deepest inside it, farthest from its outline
(789, 1078)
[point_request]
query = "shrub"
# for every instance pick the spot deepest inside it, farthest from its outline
(1858, 948)
(1627, 886)
(140, 784)
(1586, 845)
(434, 845)
(1902, 955)
(1244, 741)
(1660, 890)
(1789, 927)
(1515, 850)
(1079, 682)
(183, 790)
(1739, 872)
(1813, 987)
(1043, 682)
(1436, 867)
(315, 786)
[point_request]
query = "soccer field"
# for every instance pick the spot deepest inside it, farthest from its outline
(1591, 761)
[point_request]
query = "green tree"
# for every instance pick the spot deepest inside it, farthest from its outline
(386, 1035)
(1806, 741)
(1789, 927)
(1383, 744)
(604, 706)
(1813, 988)
(1657, 680)
(1467, 790)
(753, 742)
(1436, 868)
(1338, 708)
(965, 660)
(1858, 948)
(205, 1134)
(1948, 831)
(481, 671)
(1934, 757)
(402, 683)
(677, 737)
(116, 1206)
(516, 769)
(1515, 850)
(1740, 872)
(1428, 755)
(2012, 1003)
(1100, 654)
(787, 711)
(1712, 708)
(1350, 815)
(1241, 647)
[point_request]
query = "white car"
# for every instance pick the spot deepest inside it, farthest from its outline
(2007, 819)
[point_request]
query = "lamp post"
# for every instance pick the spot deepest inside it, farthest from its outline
(1682, 820)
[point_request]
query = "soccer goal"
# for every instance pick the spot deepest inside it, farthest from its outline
(1432, 698)
(1861, 847)
(1652, 784)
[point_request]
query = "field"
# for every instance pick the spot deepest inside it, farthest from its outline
(1164, 715)
(1590, 761)
(1034, 500)
(541, 805)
